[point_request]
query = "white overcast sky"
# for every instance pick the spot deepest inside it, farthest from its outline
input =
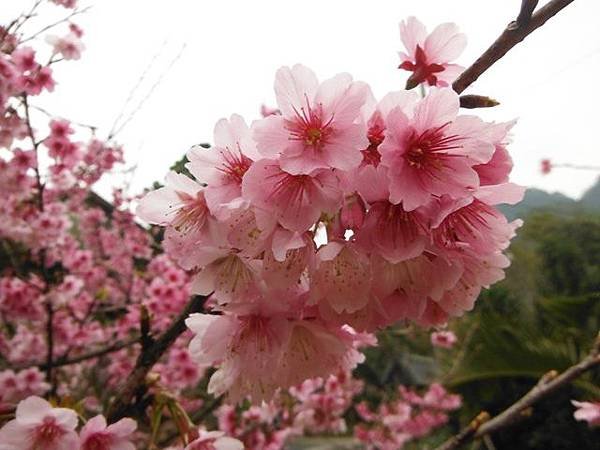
(550, 82)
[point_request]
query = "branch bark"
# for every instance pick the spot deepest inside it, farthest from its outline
(546, 386)
(130, 398)
(527, 8)
(514, 33)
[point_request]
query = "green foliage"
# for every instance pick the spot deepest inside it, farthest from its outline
(544, 316)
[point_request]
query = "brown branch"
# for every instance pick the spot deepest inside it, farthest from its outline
(511, 36)
(36, 144)
(130, 398)
(527, 8)
(546, 386)
(60, 362)
(466, 434)
(50, 345)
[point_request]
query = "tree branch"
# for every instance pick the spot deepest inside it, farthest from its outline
(135, 387)
(546, 386)
(511, 36)
(527, 8)
(60, 362)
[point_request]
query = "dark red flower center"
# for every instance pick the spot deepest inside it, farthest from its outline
(422, 70)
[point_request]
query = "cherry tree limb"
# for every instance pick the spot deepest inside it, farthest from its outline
(527, 8)
(130, 398)
(546, 386)
(60, 362)
(514, 33)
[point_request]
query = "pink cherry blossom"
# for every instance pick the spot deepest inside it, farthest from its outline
(588, 412)
(39, 426)
(320, 125)
(181, 203)
(443, 339)
(429, 56)
(433, 152)
(69, 46)
(296, 201)
(65, 3)
(214, 440)
(223, 167)
(96, 435)
(546, 166)
(266, 111)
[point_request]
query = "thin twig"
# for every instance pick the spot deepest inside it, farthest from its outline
(510, 37)
(60, 362)
(546, 386)
(143, 101)
(58, 22)
(135, 88)
(527, 8)
(130, 398)
(36, 144)
(50, 344)
(92, 128)
(24, 17)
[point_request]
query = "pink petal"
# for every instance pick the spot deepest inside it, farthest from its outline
(94, 425)
(32, 410)
(509, 193)
(445, 43)
(293, 87)
(228, 443)
(437, 109)
(123, 428)
(342, 98)
(270, 135)
(412, 33)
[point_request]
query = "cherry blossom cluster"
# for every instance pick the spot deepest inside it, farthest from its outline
(38, 425)
(75, 270)
(333, 213)
(410, 416)
(317, 406)
(331, 217)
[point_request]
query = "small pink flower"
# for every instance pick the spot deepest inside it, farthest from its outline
(588, 412)
(65, 3)
(39, 426)
(180, 203)
(69, 46)
(546, 166)
(443, 339)
(96, 435)
(248, 349)
(214, 440)
(296, 201)
(266, 111)
(223, 166)
(498, 168)
(320, 126)
(429, 56)
(433, 152)
(24, 59)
